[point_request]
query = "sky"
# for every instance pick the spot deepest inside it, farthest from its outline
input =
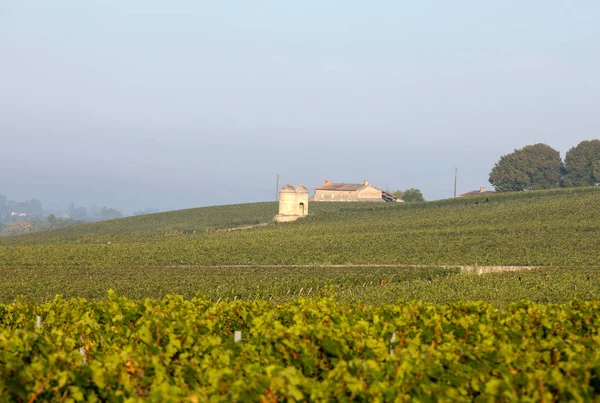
(177, 104)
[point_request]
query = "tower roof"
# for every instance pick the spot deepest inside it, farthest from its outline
(288, 189)
(301, 189)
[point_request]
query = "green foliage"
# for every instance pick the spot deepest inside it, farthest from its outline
(532, 167)
(21, 227)
(52, 220)
(409, 195)
(308, 350)
(556, 227)
(412, 196)
(309, 332)
(582, 164)
(372, 285)
(398, 193)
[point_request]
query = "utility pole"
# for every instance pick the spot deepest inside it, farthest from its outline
(277, 189)
(455, 179)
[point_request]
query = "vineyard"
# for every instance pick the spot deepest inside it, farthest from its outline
(559, 228)
(319, 350)
(357, 302)
(370, 285)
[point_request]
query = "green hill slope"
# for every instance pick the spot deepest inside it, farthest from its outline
(559, 227)
(180, 222)
(154, 225)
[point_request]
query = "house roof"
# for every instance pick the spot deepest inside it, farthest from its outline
(390, 197)
(340, 186)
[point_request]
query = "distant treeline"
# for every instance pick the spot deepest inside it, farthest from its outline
(10, 209)
(21, 217)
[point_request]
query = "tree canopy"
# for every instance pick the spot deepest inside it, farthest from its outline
(410, 195)
(582, 164)
(532, 167)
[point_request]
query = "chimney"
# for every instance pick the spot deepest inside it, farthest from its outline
(366, 182)
(482, 189)
(327, 181)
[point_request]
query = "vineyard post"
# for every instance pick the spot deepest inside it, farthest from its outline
(392, 341)
(82, 349)
(237, 336)
(38, 322)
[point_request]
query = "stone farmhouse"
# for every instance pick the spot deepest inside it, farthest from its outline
(349, 192)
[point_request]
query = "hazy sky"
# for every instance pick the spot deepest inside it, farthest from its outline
(174, 104)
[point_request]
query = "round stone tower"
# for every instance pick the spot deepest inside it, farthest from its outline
(287, 201)
(293, 203)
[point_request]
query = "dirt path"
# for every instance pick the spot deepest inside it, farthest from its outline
(464, 269)
(243, 227)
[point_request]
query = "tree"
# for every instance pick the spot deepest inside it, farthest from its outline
(582, 164)
(52, 221)
(413, 196)
(110, 213)
(532, 167)
(409, 195)
(80, 214)
(35, 207)
(3, 206)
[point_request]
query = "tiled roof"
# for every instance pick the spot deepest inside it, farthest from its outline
(340, 186)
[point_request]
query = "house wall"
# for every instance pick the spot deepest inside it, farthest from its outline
(335, 195)
(369, 193)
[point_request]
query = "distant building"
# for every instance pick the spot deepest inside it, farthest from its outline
(348, 192)
(293, 203)
(15, 214)
(482, 190)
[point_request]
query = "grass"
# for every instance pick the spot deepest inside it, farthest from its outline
(148, 256)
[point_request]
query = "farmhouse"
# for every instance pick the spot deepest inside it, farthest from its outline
(349, 192)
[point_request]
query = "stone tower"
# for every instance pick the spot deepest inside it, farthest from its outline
(301, 201)
(293, 203)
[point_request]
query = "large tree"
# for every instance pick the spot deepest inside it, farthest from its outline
(582, 164)
(532, 167)
(409, 195)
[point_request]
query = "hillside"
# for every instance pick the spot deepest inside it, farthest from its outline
(153, 225)
(180, 222)
(560, 227)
